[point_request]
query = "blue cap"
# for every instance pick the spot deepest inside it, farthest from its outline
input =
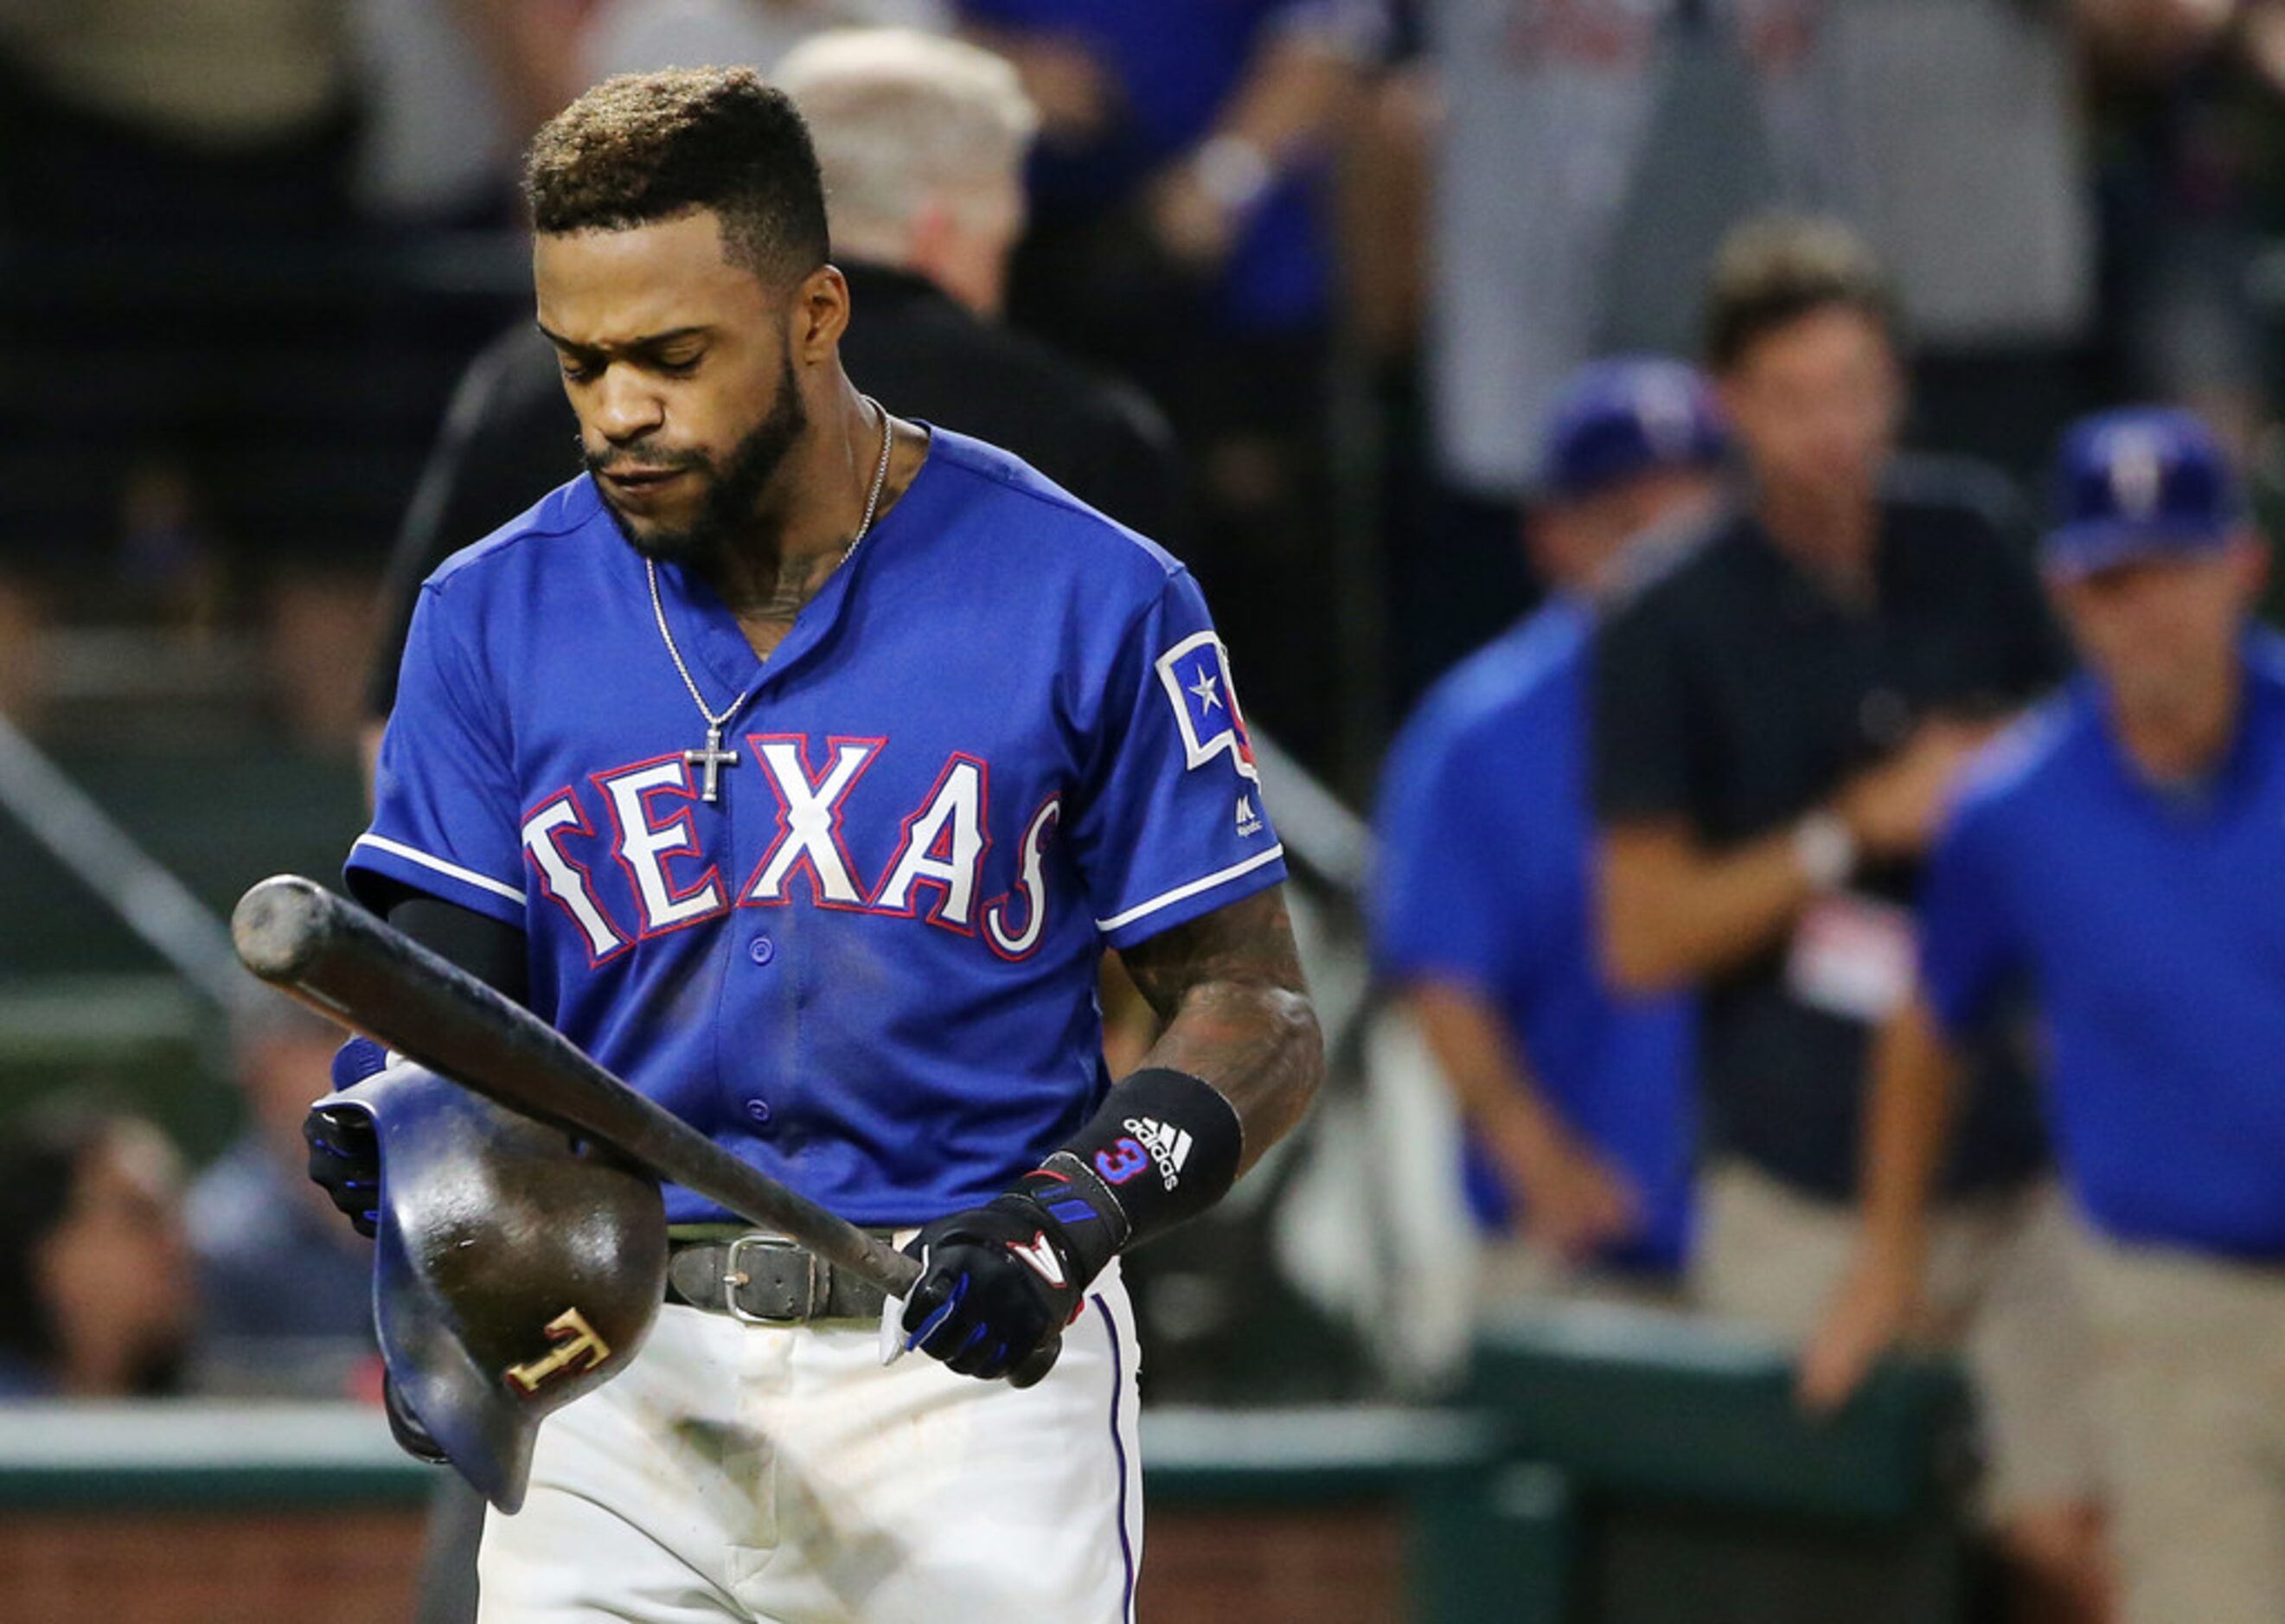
(2143, 482)
(1615, 420)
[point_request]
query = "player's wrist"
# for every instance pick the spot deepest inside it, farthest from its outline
(1164, 1147)
(1076, 1212)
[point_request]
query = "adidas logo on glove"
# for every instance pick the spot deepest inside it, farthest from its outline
(1169, 1147)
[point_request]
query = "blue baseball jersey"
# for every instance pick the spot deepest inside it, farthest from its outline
(2149, 927)
(1485, 854)
(1175, 65)
(1001, 736)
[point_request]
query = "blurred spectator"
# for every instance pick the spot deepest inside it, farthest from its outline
(1178, 235)
(1595, 151)
(535, 52)
(177, 208)
(2121, 850)
(285, 1287)
(444, 122)
(2179, 97)
(1777, 719)
(540, 54)
(636, 36)
(921, 142)
(95, 1278)
(1951, 134)
(1577, 1099)
(1591, 155)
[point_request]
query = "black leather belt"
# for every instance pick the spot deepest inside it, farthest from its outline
(766, 1279)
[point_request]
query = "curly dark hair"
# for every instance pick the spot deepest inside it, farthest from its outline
(645, 147)
(1773, 271)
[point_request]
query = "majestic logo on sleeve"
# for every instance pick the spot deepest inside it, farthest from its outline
(1195, 675)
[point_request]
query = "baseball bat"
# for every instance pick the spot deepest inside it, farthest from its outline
(354, 967)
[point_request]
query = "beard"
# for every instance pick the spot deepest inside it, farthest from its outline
(733, 488)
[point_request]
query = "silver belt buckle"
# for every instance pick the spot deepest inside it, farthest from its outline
(734, 1276)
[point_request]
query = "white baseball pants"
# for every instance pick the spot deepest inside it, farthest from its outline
(782, 1475)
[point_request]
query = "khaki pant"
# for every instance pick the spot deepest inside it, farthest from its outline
(2190, 1374)
(1999, 1290)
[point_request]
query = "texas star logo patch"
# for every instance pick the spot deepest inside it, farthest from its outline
(1195, 675)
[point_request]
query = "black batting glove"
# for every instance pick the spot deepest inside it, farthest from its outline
(344, 1154)
(999, 1281)
(345, 1159)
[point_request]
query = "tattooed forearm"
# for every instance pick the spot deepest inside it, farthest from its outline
(1230, 988)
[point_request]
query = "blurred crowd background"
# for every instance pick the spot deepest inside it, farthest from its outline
(1313, 276)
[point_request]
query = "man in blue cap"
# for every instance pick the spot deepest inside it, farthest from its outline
(1575, 1099)
(2121, 852)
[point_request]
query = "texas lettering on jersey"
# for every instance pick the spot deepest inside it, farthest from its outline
(934, 871)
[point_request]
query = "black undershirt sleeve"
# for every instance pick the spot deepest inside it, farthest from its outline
(487, 949)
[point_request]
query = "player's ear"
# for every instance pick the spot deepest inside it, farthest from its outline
(820, 315)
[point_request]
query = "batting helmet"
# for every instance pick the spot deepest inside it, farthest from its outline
(514, 1268)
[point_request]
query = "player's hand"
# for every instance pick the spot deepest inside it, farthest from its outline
(344, 1155)
(998, 1284)
(1874, 1307)
(345, 1160)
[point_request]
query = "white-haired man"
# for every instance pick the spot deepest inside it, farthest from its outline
(921, 142)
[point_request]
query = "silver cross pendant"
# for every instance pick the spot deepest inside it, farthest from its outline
(713, 758)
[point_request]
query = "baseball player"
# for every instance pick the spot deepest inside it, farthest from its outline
(1577, 1098)
(798, 761)
(2124, 850)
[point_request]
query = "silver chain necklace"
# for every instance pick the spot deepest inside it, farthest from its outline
(713, 758)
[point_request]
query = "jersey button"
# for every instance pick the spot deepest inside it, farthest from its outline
(758, 1110)
(761, 950)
